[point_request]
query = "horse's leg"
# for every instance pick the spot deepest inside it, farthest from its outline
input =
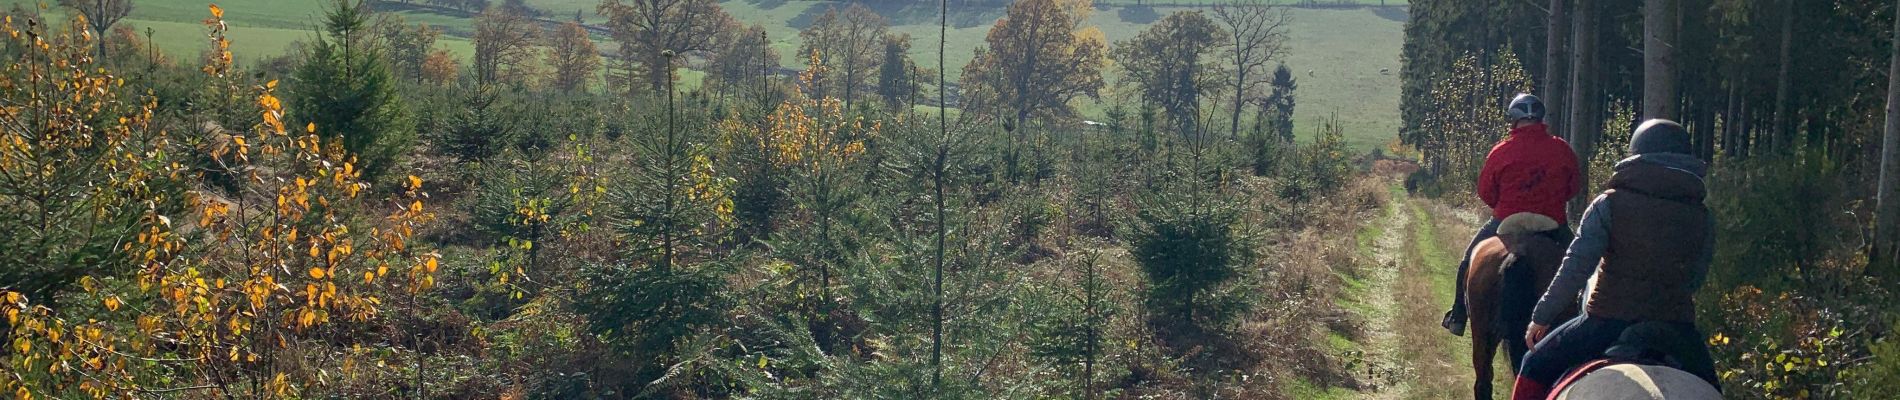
(1482, 296)
(1484, 344)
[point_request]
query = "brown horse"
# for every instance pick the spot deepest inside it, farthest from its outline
(1523, 254)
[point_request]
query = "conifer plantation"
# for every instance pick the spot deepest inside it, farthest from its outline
(881, 199)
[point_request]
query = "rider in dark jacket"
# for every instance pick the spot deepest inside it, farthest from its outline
(1647, 241)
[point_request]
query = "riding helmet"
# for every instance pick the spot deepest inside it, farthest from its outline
(1660, 136)
(1525, 106)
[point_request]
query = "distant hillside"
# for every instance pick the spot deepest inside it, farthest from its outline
(1338, 52)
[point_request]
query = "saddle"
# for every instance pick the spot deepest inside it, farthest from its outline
(1528, 237)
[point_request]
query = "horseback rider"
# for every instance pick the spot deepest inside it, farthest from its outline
(1530, 171)
(1648, 241)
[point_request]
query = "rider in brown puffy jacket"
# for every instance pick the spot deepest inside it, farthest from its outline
(1648, 241)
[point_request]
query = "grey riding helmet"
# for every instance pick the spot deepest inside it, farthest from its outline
(1525, 106)
(1661, 136)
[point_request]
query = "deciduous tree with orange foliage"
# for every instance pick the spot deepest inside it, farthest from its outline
(573, 56)
(440, 68)
(1040, 55)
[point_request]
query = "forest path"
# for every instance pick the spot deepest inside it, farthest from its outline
(1413, 252)
(1383, 312)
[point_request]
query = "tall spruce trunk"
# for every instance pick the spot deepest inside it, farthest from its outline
(1585, 98)
(1888, 208)
(1661, 98)
(1557, 64)
(1778, 135)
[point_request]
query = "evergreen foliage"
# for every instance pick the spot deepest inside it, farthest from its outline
(345, 87)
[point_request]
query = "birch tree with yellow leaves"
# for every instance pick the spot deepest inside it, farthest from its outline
(208, 290)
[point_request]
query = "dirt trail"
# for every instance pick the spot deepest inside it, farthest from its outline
(1408, 283)
(1382, 281)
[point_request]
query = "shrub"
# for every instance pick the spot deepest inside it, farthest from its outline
(1188, 247)
(484, 124)
(1321, 167)
(1070, 332)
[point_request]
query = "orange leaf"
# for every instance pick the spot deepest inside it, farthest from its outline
(316, 272)
(216, 12)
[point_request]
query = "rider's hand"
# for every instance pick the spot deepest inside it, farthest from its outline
(1535, 334)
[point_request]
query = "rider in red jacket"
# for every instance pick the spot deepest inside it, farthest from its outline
(1530, 171)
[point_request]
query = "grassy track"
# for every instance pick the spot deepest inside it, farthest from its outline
(1405, 290)
(1441, 234)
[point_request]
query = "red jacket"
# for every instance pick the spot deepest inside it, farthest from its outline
(1531, 171)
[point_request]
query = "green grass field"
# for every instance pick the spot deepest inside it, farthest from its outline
(1336, 54)
(1343, 49)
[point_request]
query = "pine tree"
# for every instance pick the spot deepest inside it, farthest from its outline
(346, 90)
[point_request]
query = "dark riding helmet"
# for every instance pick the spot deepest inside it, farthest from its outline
(1525, 106)
(1660, 136)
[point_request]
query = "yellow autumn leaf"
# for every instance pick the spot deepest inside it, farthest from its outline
(112, 303)
(316, 272)
(268, 85)
(312, 127)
